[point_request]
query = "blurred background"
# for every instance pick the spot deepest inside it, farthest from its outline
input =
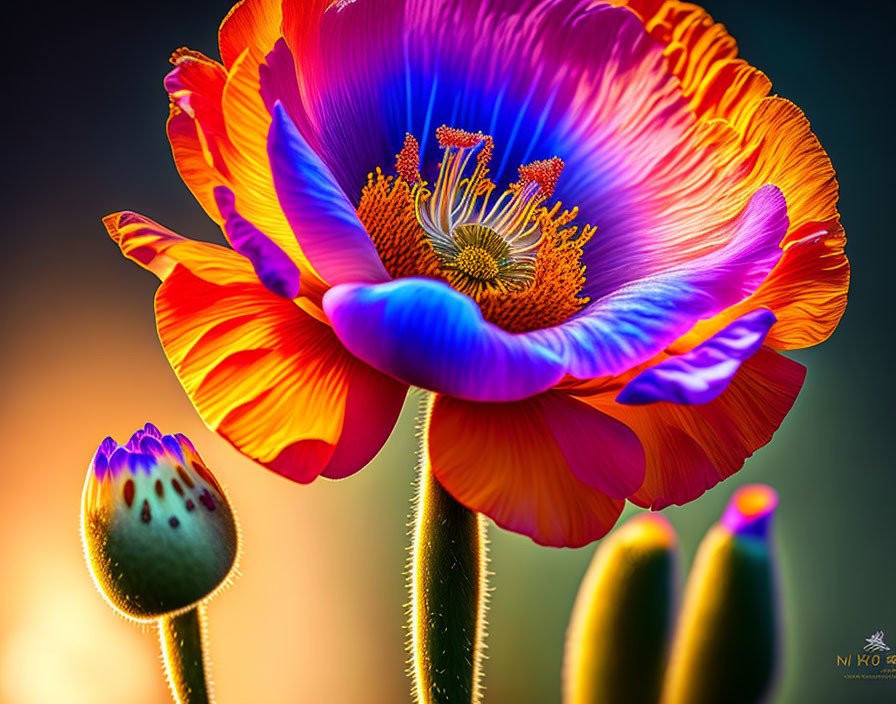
(318, 613)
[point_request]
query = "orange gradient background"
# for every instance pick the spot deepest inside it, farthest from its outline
(317, 614)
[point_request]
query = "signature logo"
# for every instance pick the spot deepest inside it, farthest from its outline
(876, 642)
(873, 662)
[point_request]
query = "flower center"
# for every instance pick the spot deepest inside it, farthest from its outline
(477, 263)
(459, 213)
(476, 255)
(519, 260)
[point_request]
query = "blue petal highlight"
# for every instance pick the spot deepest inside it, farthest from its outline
(425, 333)
(323, 220)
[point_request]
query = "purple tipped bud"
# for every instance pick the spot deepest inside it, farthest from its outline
(152, 431)
(106, 448)
(750, 510)
(726, 644)
(159, 531)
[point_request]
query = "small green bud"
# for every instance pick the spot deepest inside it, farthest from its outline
(159, 533)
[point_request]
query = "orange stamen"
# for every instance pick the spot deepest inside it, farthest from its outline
(180, 55)
(488, 148)
(554, 294)
(387, 213)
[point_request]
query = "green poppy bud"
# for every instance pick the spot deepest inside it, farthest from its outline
(160, 538)
(158, 530)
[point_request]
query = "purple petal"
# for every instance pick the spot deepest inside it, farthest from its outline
(632, 324)
(151, 447)
(274, 268)
(100, 464)
(353, 102)
(133, 443)
(543, 77)
(703, 373)
(324, 222)
(118, 461)
(424, 333)
(107, 447)
(582, 81)
(173, 447)
(153, 431)
(278, 83)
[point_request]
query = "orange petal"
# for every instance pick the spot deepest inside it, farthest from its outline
(703, 56)
(159, 250)
(773, 144)
(248, 122)
(246, 36)
(501, 459)
(195, 125)
(218, 133)
(787, 154)
(807, 291)
(253, 24)
(270, 378)
(692, 448)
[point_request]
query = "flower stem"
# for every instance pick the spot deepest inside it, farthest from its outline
(448, 592)
(183, 647)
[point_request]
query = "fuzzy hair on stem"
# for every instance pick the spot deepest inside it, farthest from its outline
(447, 579)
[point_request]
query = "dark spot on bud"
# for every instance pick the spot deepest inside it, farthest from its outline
(207, 500)
(129, 492)
(190, 505)
(177, 487)
(203, 472)
(145, 514)
(173, 522)
(184, 477)
(160, 490)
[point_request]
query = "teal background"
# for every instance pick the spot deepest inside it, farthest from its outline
(84, 126)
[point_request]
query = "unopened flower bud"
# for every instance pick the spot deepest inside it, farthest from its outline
(726, 643)
(159, 532)
(619, 631)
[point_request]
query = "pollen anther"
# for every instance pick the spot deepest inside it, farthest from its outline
(407, 161)
(544, 173)
(453, 137)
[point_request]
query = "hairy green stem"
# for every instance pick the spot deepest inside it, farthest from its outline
(448, 593)
(183, 647)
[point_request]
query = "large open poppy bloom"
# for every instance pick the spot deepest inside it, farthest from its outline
(585, 226)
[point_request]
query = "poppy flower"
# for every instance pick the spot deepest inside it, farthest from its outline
(586, 227)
